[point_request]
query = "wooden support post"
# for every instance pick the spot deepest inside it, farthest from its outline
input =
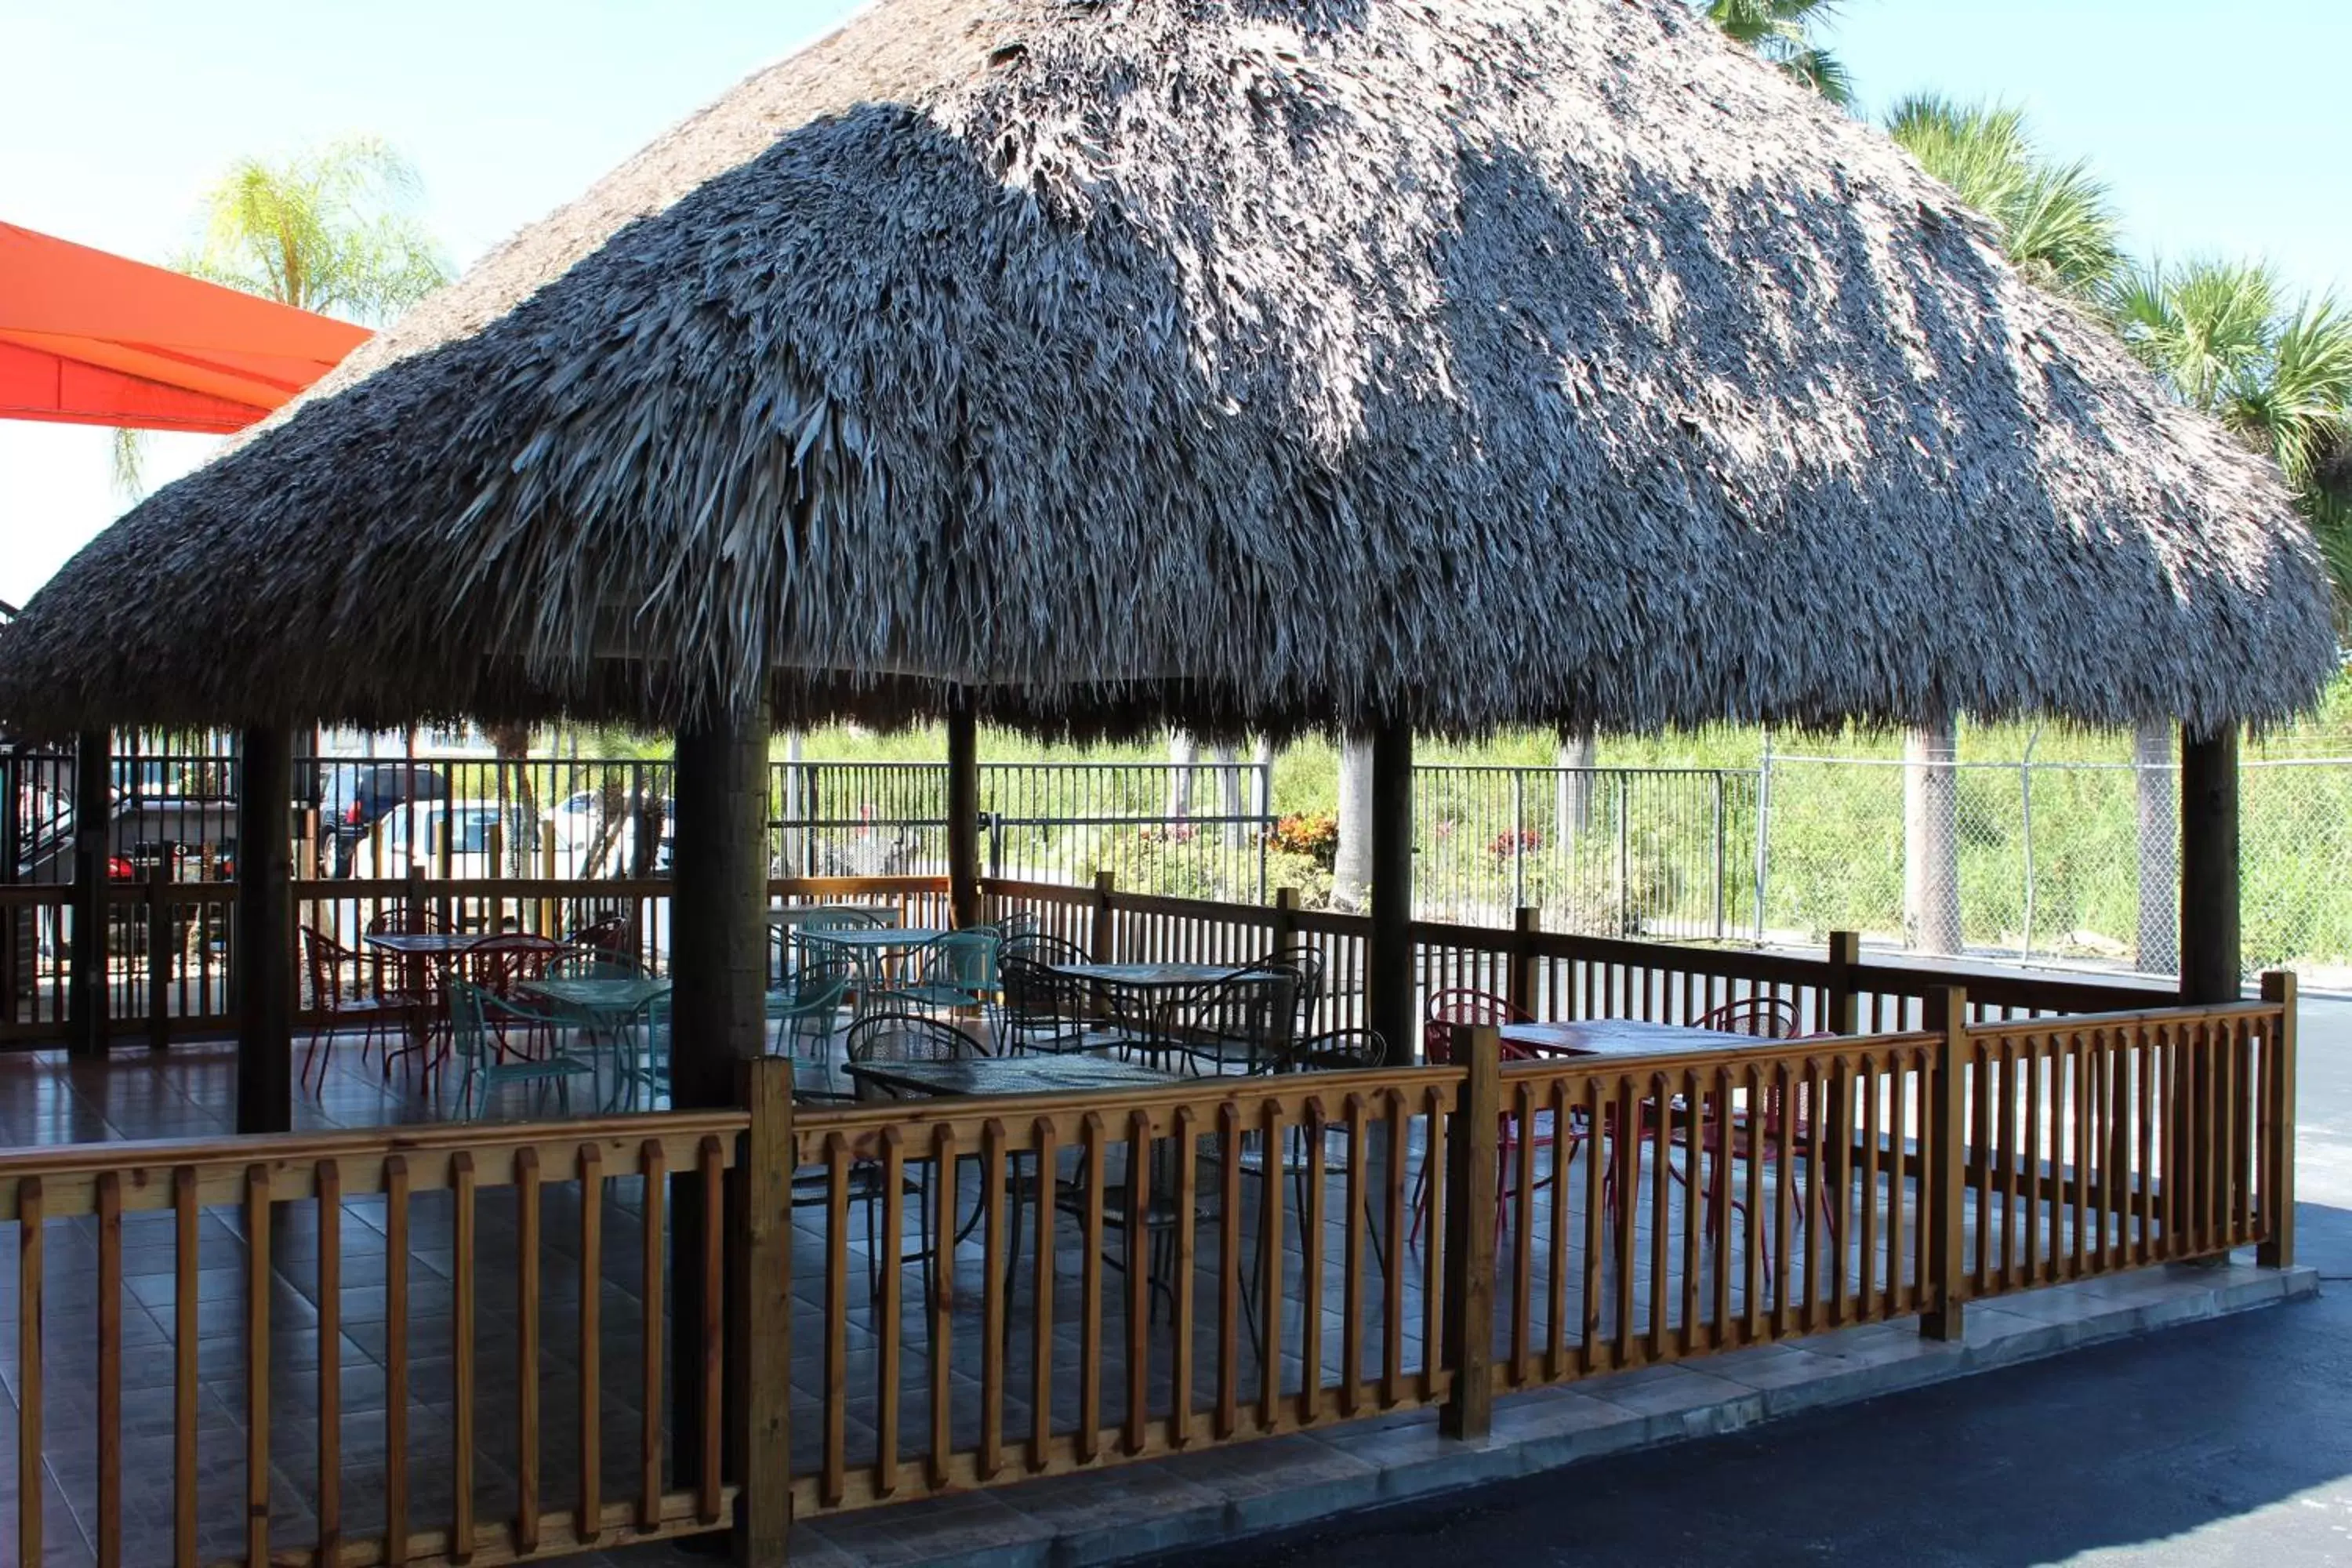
(2276, 1249)
(2211, 960)
(1519, 986)
(416, 904)
(963, 814)
(159, 951)
(1943, 1184)
(1391, 1004)
(263, 972)
(1106, 926)
(2212, 964)
(1842, 1004)
(719, 983)
(1472, 1144)
(86, 996)
(759, 1319)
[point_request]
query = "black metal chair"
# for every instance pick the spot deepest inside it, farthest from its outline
(1051, 1014)
(1239, 1024)
(1307, 963)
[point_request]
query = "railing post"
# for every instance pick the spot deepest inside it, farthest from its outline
(1472, 1153)
(159, 955)
(759, 1322)
(1841, 1003)
(1519, 986)
(2276, 1249)
(415, 900)
(1100, 946)
(1944, 1260)
(87, 997)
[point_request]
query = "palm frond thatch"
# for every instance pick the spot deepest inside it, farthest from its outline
(1283, 364)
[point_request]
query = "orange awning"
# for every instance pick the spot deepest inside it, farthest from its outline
(89, 338)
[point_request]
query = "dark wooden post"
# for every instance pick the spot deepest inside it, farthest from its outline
(1519, 986)
(1472, 1153)
(1841, 1003)
(1943, 1187)
(2211, 960)
(2276, 1174)
(159, 951)
(759, 1319)
(1391, 1005)
(85, 993)
(2212, 964)
(719, 982)
(963, 813)
(1106, 925)
(261, 975)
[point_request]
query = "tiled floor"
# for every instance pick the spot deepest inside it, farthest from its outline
(189, 1093)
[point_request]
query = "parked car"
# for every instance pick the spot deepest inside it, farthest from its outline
(412, 834)
(356, 794)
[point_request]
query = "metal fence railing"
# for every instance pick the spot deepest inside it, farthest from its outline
(1601, 851)
(2064, 860)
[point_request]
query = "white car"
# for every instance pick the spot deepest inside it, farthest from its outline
(411, 835)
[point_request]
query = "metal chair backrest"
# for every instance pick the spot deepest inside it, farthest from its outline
(323, 958)
(407, 919)
(1045, 949)
(1464, 1005)
(475, 1012)
(1250, 1016)
(1306, 963)
(591, 963)
(496, 962)
(1337, 1050)
(964, 959)
(909, 1037)
(821, 983)
(1766, 1018)
(607, 933)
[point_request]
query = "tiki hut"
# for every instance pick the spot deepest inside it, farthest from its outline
(1088, 365)
(1277, 364)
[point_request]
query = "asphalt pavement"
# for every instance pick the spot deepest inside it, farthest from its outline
(2217, 1444)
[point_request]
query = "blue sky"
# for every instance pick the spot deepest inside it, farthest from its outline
(2219, 122)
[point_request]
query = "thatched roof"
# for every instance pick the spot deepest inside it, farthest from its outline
(1292, 362)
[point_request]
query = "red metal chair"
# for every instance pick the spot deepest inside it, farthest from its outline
(347, 989)
(1466, 1007)
(1779, 1128)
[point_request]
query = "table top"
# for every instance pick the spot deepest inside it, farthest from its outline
(794, 914)
(608, 994)
(424, 943)
(1012, 1075)
(873, 936)
(1156, 976)
(1627, 1038)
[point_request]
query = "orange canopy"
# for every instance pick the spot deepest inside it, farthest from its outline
(87, 337)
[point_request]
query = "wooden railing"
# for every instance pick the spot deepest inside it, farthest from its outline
(444, 1227)
(1245, 1208)
(586, 1332)
(1550, 974)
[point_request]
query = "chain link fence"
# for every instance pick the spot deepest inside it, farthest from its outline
(2072, 861)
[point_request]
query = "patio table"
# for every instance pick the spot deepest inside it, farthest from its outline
(788, 916)
(1011, 1074)
(609, 1004)
(1159, 976)
(419, 951)
(868, 946)
(973, 1076)
(1627, 1037)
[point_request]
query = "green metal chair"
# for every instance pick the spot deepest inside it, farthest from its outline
(955, 972)
(484, 1026)
(806, 1008)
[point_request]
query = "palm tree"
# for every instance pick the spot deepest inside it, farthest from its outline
(2225, 341)
(331, 229)
(1783, 32)
(2057, 221)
